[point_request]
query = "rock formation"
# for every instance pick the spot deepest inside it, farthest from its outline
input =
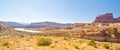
(106, 18)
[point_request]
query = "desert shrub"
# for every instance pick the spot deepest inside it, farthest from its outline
(27, 39)
(44, 41)
(81, 41)
(52, 46)
(83, 46)
(92, 43)
(65, 38)
(69, 43)
(5, 44)
(106, 46)
(56, 42)
(65, 47)
(118, 48)
(8, 46)
(76, 46)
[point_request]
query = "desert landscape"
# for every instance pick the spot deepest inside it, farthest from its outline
(88, 36)
(59, 25)
(53, 43)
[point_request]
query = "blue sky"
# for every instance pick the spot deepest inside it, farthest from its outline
(62, 11)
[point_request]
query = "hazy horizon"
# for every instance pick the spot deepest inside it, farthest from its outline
(39, 22)
(60, 11)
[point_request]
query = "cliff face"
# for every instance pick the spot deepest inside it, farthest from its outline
(106, 18)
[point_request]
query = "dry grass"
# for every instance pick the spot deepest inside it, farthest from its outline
(58, 43)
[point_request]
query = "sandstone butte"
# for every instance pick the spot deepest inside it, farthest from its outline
(106, 18)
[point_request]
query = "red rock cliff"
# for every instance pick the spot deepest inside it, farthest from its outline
(106, 18)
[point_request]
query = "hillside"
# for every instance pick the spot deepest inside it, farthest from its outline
(6, 31)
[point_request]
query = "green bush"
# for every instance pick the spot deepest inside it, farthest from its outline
(106, 46)
(5, 44)
(8, 46)
(65, 47)
(44, 42)
(52, 46)
(81, 41)
(75, 46)
(92, 43)
(56, 42)
(65, 38)
(118, 48)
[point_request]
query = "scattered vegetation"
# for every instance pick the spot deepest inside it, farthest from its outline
(65, 47)
(56, 42)
(106, 46)
(76, 46)
(83, 46)
(5, 44)
(8, 46)
(53, 43)
(118, 48)
(52, 46)
(65, 38)
(81, 41)
(44, 41)
(92, 43)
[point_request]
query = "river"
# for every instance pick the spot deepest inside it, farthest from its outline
(25, 30)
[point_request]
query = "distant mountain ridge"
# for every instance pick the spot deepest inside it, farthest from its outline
(14, 24)
(36, 24)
